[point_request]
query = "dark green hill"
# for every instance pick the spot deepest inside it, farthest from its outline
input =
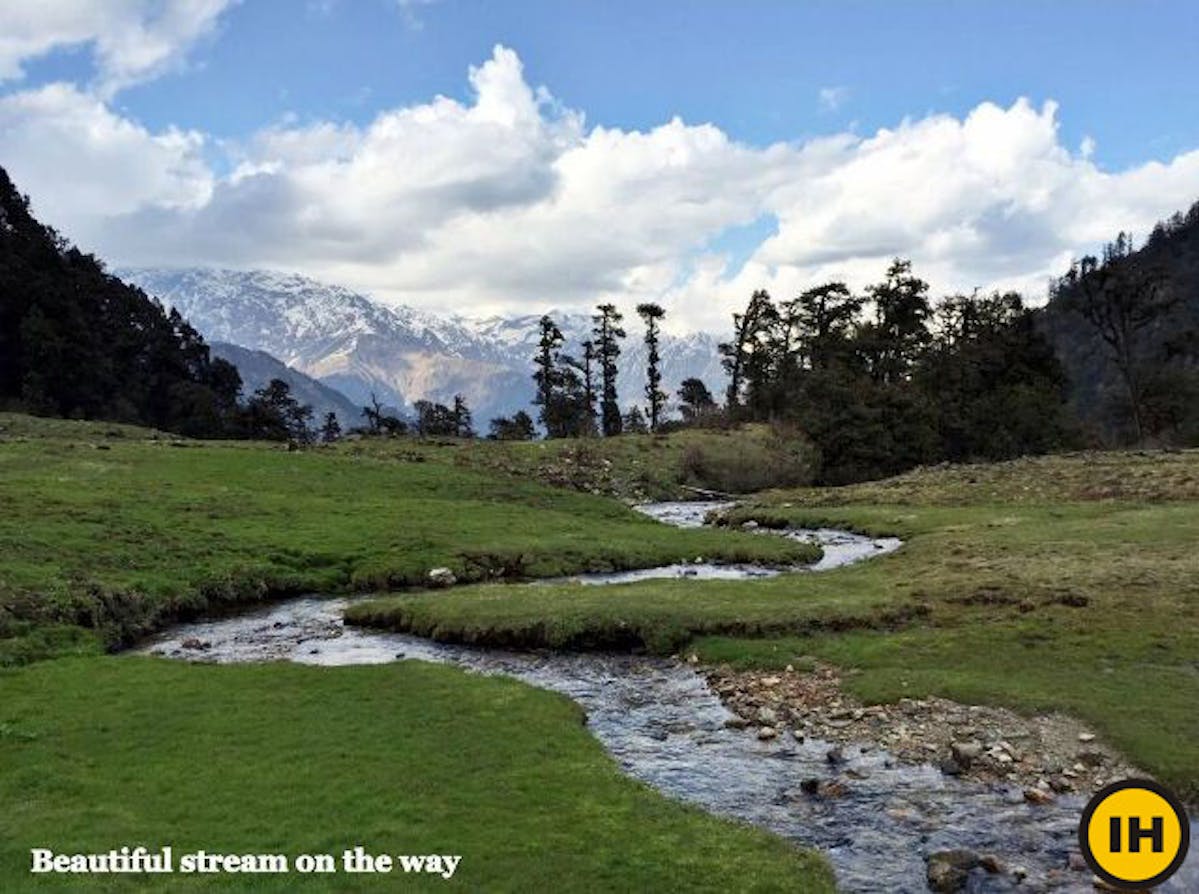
(77, 342)
(1142, 360)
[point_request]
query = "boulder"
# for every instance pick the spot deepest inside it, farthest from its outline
(948, 871)
(966, 753)
(442, 577)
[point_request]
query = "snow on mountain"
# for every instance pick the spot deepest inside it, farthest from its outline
(401, 354)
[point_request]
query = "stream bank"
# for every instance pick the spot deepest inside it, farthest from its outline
(888, 817)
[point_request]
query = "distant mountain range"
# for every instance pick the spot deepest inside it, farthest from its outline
(257, 368)
(350, 343)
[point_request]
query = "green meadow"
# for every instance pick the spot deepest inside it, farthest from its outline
(107, 532)
(1067, 583)
(407, 758)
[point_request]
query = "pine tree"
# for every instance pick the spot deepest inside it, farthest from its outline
(462, 418)
(331, 430)
(547, 376)
(900, 329)
(652, 314)
(695, 400)
(608, 333)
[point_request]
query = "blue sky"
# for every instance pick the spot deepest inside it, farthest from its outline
(1124, 73)
(241, 108)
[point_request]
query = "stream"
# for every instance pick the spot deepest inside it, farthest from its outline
(665, 726)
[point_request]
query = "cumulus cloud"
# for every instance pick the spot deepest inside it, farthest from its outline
(132, 40)
(84, 165)
(510, 202)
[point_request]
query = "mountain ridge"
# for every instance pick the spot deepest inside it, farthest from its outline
(358, 346)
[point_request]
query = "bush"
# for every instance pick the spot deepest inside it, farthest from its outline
(780, 458)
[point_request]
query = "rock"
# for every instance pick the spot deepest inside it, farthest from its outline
(771, 681)
(693, 658)
(950, 767)
(195, 643)
(948, 871)
(1086, 737)
(736, 723)
(1059, 784)
(991, 864)
(966, 753)
(767, 732)
(833, 789)
(835, 756)
(1092, 758)
(442, 577)
(750, 525)
(1038, 796)
(1076, 862)
(818, 788)
(768, 716)
(798, 736)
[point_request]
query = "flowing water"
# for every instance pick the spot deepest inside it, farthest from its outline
(665, 726)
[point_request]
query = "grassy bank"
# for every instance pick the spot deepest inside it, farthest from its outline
(406, 758)
(642, 467)
(107, 531)
(1061, 583)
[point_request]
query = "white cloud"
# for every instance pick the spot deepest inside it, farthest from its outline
(510, 202)
(84, 165)
(832, 98)
(132, 40)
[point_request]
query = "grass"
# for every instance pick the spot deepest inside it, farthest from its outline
(1066, 583)
(107, 531)
(642, 467)
(406, 758)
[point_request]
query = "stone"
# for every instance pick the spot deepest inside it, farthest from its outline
(195, 643)
(1059, 784)
(1086, 737)
(442, 577)
(750, 525)
(966, 753)
(767, 732)
(771, 681)
(1076, 862)
(768, 716)
(950, 767)
(1038, 796)
(991, 864)
(1091, 758)
(736, 723)
(948, 871)
(835, 755)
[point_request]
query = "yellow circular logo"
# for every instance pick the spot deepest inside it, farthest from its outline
(1134, 834)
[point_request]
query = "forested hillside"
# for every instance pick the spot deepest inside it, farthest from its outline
(1126, 328)
(77, 342)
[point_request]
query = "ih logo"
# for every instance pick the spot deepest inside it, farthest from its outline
(1134, 834)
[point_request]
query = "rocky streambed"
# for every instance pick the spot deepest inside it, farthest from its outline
(786, 751)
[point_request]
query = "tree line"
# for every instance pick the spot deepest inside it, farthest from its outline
(877, 380)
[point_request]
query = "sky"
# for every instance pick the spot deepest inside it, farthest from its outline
(484, 158)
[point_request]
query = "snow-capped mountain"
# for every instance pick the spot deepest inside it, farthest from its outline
(359, 346)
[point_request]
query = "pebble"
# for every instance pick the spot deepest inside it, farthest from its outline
(1038, 796)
